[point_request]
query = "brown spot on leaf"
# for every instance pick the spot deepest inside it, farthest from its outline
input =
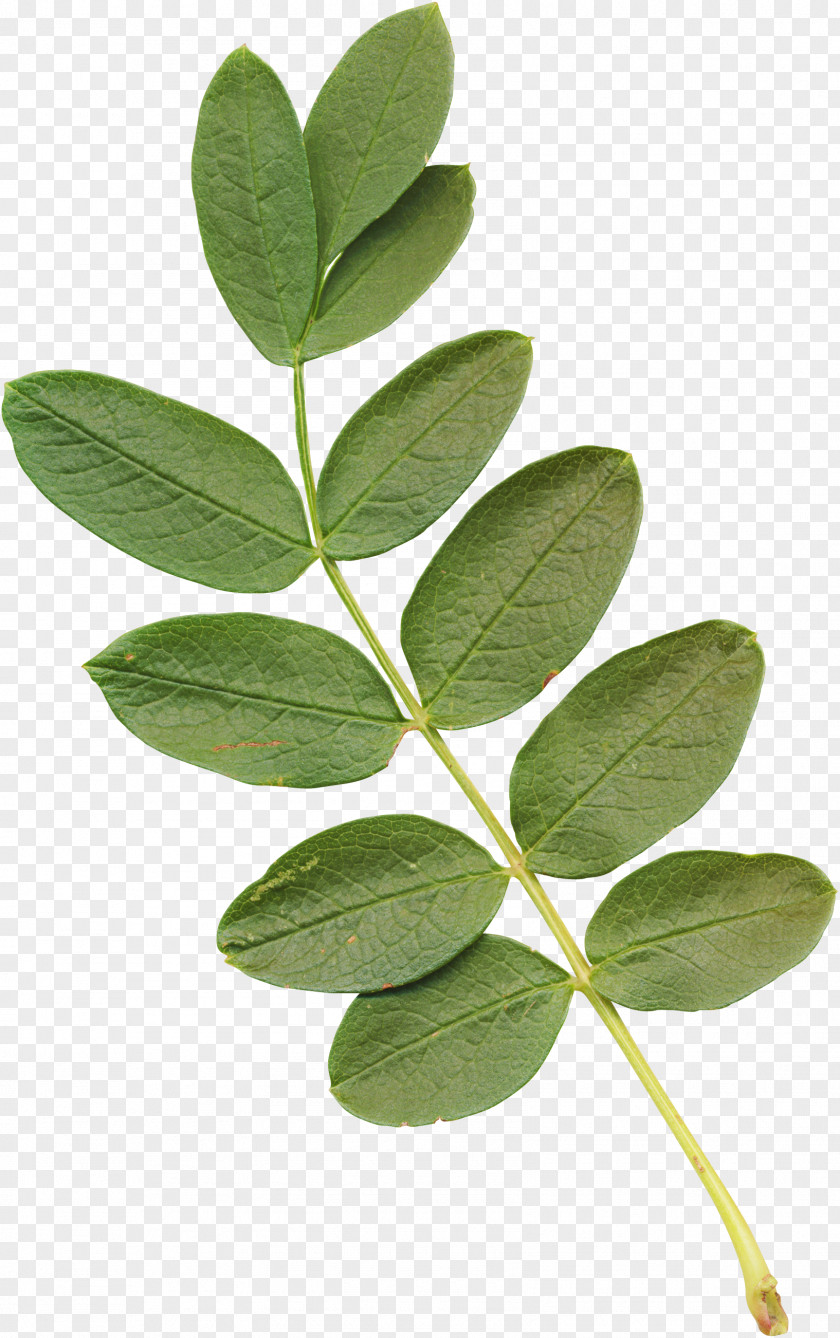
(352, 938)
(701, 1170)
(387, 987)
(130, 656)
(549, 677)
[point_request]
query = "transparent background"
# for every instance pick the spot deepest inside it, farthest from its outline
(655, 190)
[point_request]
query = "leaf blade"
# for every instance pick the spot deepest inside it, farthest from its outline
(368, 905)
(421, 439)
(635, 749)
(263, 700)
(701, 929)
(254, 202)
(175, 487)
(454, 1043)
(392, 263)
(376, 121)
(519, 586)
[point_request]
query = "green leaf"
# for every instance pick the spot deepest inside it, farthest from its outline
(364, 906)
(173, 486)
(254, 204)
(454, 1043)
(408, 453)
(376, 121)
(394, 261)
(702, 928)
(264, 700)
(520, 585)
(635, 749)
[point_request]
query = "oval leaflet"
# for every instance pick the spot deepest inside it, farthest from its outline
(263, 700)
(634, 749)
(254, 203)
(164, 482)
(376, 121)
(454, 1043)
(410, 451)
(703, 928)
(364, 906)
(393, 262)
(519, 586)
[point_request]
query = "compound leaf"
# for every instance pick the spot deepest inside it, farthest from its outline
(408, 453)
(173, 486)
(456, 1042)
(264, 700)
(376, 121)
(636, 748)
(702, 928)
(364, 906)
(254, 203)
(520, 585)
(394, 261)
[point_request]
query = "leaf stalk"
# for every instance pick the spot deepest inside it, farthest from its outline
(760, 1285)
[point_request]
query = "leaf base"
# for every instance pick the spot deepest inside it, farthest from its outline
(767, 1308)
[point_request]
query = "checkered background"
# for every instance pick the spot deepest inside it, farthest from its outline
(654, 205)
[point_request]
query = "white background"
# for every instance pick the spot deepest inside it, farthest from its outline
(655, 188)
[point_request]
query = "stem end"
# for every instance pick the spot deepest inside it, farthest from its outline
(766, 1307)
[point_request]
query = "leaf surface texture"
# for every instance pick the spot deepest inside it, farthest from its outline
(167, 483)
(458, 1041)
(264, 700)
(364, 906)
(703, 928)
(634, 749)
(254, 203)
(520, 585)
(376, 121)
(394, 260)
(409, 452)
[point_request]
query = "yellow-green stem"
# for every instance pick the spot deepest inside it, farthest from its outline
(760, 1285)
(302, 434)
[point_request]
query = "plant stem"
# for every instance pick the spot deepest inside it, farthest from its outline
(762, 1297)
(302, 434)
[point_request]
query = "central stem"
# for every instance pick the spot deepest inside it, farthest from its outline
(760, 1285)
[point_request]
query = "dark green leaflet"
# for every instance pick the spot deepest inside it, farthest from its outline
(635, 748)
(254, 204)
(364, 906)
(173, 486)
(376, 121)
(408, 453)
(264, 700)
(703, 928)
(456, 1042)
(394, 261)
(520, 585)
